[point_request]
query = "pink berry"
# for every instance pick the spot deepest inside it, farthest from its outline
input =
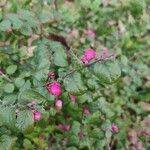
(37, 115)
(89, 54)
(114, 128)
(86, 111)
(64, 127)
(51, 75)
(54, 88)
(72, 98)
(58, 103)
(90, 33)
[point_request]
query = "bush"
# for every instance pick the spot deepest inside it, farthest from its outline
(74, 74)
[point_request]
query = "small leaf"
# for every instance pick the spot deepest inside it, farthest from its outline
(4, 25)
(9, 88)
(108, 134)
(75, 128)
(60, 58)
(97, 133)
(11, 69)
(102, 72)
(26, 30)
(19, 82)
(15, 21)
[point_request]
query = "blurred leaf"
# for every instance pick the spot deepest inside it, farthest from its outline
(11, 69)
(15, 21)
(7, 142)
(4, 25)
(29, 94)
(26, 30)
(60, 58)
(9, 88)
(25, 121)
(8, 117)
(19, 82)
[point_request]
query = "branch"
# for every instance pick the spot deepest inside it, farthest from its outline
(90, 64)
(5, 76)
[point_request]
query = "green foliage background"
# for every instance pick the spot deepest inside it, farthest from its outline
(26, 56)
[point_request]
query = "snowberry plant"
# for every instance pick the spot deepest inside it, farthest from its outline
(45, 84)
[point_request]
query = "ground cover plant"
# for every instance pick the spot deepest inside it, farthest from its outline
(74, 74)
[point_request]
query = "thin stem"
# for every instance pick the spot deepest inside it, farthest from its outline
(5, 77)
(80, 62)
(108, 147)
(99, 60)
(90, 64)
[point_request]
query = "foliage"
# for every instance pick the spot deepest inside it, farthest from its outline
(37, 38)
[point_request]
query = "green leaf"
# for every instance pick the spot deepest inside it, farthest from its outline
(136, 7)
(29, 94)
(19, 82)
(85, 3)
(15, 21)
(10, 99)
(26, 30)
(73, 140)
(114, 70)
(124, 60)
(8, 116)
(85, 143)
(60, 58)
(7, 142)
(27, 144)
(11, 69)
(96, 5)
(26, 86)
(9, 88)
(108, 134)
(45, 17)
(74, 84)
(41, 61)
(102, 72)
(97, 134)
(107, 72)
(4, 25)
(92, 84)
(93, 119)
(25, 15)
(25, 121)
(71, 148)
(75, 128)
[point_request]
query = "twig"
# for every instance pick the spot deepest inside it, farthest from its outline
(55, 3)
(5, 76)
(90, 64)
(80, 62)
(108, 147)
(99, 60)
